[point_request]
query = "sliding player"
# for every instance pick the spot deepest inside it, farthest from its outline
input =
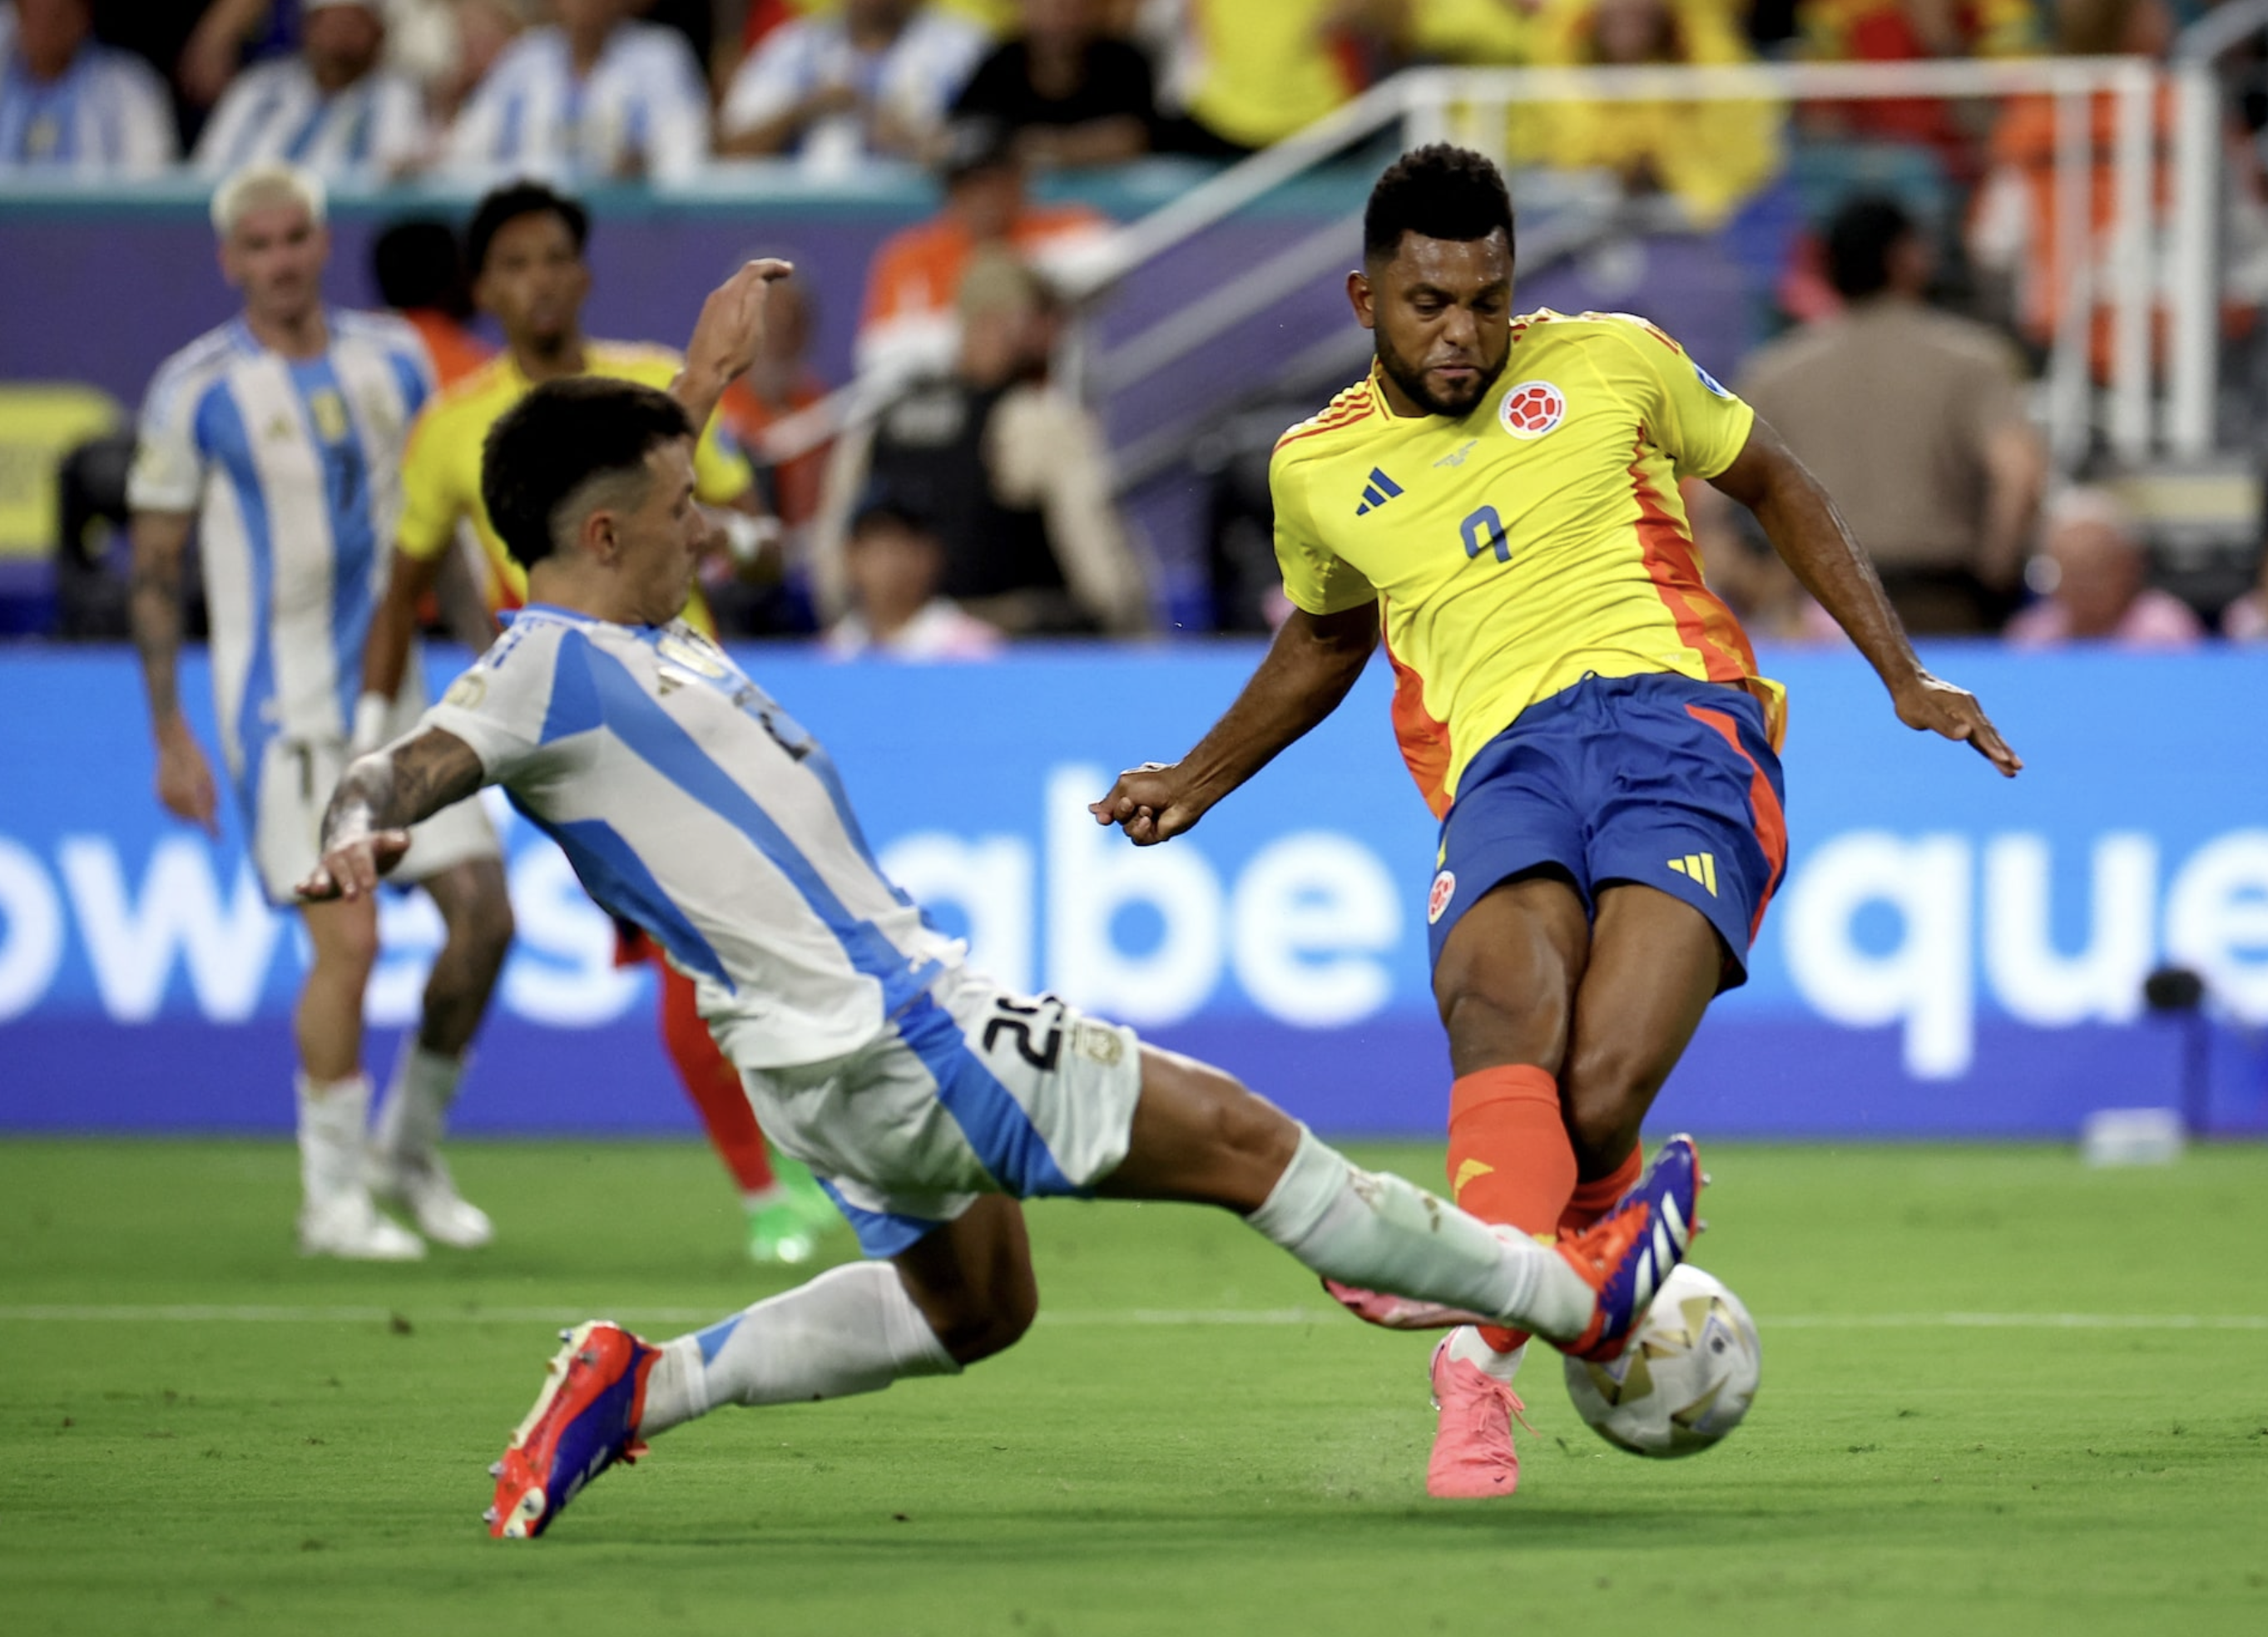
(1583, 716)
(280, 435)
(524, 248)
(929, 1100)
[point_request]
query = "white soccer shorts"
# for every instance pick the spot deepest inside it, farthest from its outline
(292, 787)
(969, 1091)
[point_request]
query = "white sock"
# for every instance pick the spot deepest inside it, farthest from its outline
(851, 1330)
(1363, 1228)
(1465, 1343)
(332, 1117)
(417, 1110)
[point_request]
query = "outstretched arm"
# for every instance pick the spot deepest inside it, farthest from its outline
(725, 337)
(1801, 523)
(1311, 664)
(366, 828)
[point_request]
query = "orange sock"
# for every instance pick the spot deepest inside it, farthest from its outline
(1592, 1199)
(1510, 1160)
(712, 1083)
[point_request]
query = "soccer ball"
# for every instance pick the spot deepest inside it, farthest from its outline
(1686, 1378)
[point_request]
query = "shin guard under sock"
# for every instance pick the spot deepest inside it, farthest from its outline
(1510, 1157)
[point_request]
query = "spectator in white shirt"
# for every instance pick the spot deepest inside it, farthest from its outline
(595, 96)
(330, 108)
(71, 106)
(895, 563)
(875, 79)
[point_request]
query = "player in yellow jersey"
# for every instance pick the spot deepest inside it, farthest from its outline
(525, 249)
(1500, 500)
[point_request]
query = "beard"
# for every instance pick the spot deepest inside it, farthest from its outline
(1411, 381)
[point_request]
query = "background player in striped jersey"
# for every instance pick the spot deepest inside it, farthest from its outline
(688, 800)
(523, 249)
(280, 437)
(1499, 498)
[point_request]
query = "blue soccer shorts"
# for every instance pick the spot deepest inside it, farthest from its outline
(1655, 778)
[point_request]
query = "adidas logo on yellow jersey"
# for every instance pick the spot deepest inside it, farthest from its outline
(1380, 489)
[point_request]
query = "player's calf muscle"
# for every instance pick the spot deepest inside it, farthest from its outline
(1200, 1136)
(972, 1280)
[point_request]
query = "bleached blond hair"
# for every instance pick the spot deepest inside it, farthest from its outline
(268, 182)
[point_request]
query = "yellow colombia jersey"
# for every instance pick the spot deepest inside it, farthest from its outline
(441, 472)
(1537, 539)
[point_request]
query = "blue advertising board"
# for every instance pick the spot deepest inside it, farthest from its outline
(1951, 953)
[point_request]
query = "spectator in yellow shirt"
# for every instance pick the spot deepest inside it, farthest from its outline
(1250, 73)
(1713, 156)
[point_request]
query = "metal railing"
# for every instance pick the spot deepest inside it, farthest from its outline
(2142, 264)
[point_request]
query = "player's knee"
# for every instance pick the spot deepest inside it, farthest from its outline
(349, 947)
(1500, 1022)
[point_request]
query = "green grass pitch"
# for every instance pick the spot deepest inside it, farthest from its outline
(199, 1431)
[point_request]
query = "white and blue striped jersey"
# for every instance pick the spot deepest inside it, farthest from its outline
(690, 804)
(643, 106)
(915, 78)
(293, 468)
(372, 130)
(106, 116)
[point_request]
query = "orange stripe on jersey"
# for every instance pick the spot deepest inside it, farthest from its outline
(1424, 740)
(1704, 624)
(1763, 805)
(1331, 424)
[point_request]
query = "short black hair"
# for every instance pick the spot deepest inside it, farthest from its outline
(417, 264)
(1440, 192)
(512, 201)
(1860, 240)
(558, 438)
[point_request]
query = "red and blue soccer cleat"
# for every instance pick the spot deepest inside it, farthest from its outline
(586, 1419)
(1627, 1252)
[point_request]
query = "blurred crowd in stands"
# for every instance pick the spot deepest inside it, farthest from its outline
(590, 90)
(977, 504)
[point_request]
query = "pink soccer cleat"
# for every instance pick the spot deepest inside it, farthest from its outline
(1473, 1456)
(1394, 1313)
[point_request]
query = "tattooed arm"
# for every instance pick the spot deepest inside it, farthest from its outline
(185, 780)
(366, 829)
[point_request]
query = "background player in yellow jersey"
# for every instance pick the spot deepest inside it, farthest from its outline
(1500, 499)
(525, 248)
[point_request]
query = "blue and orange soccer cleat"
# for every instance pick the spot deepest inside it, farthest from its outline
(1627, 1252)
(584, 1420)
